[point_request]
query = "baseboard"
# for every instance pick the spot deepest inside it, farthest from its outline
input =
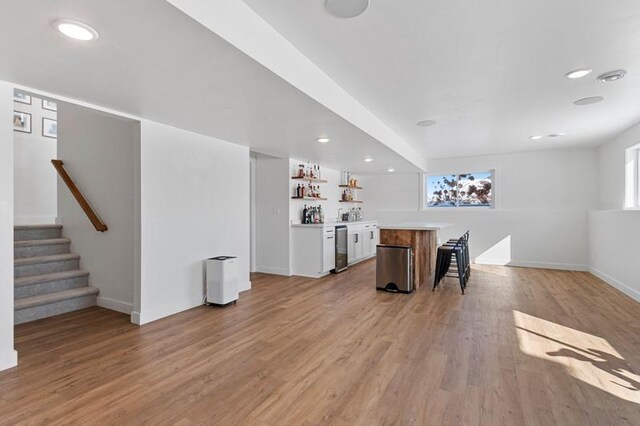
(528, 264)
(631, 292)
(273, 271)
(8, 360)
(175, 307)
(115, 305)
(491, 261)
(135, 318)
(244, 286)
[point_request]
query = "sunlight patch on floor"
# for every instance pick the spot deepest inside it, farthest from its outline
(586, 357)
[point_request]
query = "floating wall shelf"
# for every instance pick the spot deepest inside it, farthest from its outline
(352, 201)
(309, 198)
(308, 179)
(350, 186)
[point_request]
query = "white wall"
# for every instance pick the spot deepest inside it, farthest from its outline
(272, 215)
(194, 205)
(101, 152)
(614, 246)
(8, 356)
(35, 199)
(537, 222)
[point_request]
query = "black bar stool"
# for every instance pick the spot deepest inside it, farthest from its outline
(458, 251)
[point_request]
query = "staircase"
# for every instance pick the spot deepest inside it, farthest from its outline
(48, 278)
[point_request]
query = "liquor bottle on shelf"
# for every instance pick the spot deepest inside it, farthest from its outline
(304, 214)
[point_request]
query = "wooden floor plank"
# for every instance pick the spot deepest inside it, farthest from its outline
(523, 346)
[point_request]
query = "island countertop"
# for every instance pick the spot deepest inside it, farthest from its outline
(418, 226)
(331, 224)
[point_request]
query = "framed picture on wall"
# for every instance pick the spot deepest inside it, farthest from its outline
(21, 122)
(23, 98)
(50, 105)
(49, 128)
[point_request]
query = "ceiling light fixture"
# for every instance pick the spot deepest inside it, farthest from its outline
(368, 160)
(556, 135)
(612, 76)
(346, 8)
(323, 140)
(535, 137)
(588, 101)
(391, 170)
(579, 73)
(76, 30)
(426, 123)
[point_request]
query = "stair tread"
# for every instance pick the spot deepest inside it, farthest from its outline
(29, 302)
(24, 227)
(54, 276)
(47, 242)
(45, 259)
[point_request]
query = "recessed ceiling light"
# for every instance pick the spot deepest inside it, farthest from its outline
(368, 160)
(323, 140)
(76, 30)
(391, 170)
(426, 123)
(612, 76)
(579, 73)
(346, 8)
(556, 135)
(535, 137)
(588, 101)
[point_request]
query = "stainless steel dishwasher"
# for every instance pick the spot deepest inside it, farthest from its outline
(342, 256)
(394, 268)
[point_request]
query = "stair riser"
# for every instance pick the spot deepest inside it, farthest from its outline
(36, 234)
(35, 251)
(23, 291)
(46, 268)
(56, 308)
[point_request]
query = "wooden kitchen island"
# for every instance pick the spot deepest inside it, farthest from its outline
(423, 239)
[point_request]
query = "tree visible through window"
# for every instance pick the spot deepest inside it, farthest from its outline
(459, 190)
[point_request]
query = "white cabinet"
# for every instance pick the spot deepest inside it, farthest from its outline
(357, 250)
(363, 238)
(313, 247)
(351, 247)
(328, 250)
(313, 250)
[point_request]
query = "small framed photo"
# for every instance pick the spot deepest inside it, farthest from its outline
(49, 105)
(23, 98)
(21, 122)
(49, 128)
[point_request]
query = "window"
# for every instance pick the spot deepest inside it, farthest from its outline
(464, 190)
(632, 178)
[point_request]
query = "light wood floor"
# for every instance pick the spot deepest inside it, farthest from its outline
(523, 346)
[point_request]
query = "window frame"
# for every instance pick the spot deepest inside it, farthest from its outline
(494, 190)
(632, 178)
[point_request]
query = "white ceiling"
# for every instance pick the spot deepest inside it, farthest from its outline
(491, 72)
(154, 62)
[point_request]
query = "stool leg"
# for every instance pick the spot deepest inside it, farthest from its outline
(461, 272)
(436, 273)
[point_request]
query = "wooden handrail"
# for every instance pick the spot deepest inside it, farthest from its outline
(84, 204)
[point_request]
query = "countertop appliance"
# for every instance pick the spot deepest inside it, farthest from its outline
(394, 268)
(222, 280)
(342, 257)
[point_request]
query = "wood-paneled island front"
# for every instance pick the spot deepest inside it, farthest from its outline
(423, 239)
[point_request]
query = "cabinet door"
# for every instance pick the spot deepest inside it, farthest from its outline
(351, 247)
(357, 252)
(376, 239)
(328, 253)
(366, 243)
